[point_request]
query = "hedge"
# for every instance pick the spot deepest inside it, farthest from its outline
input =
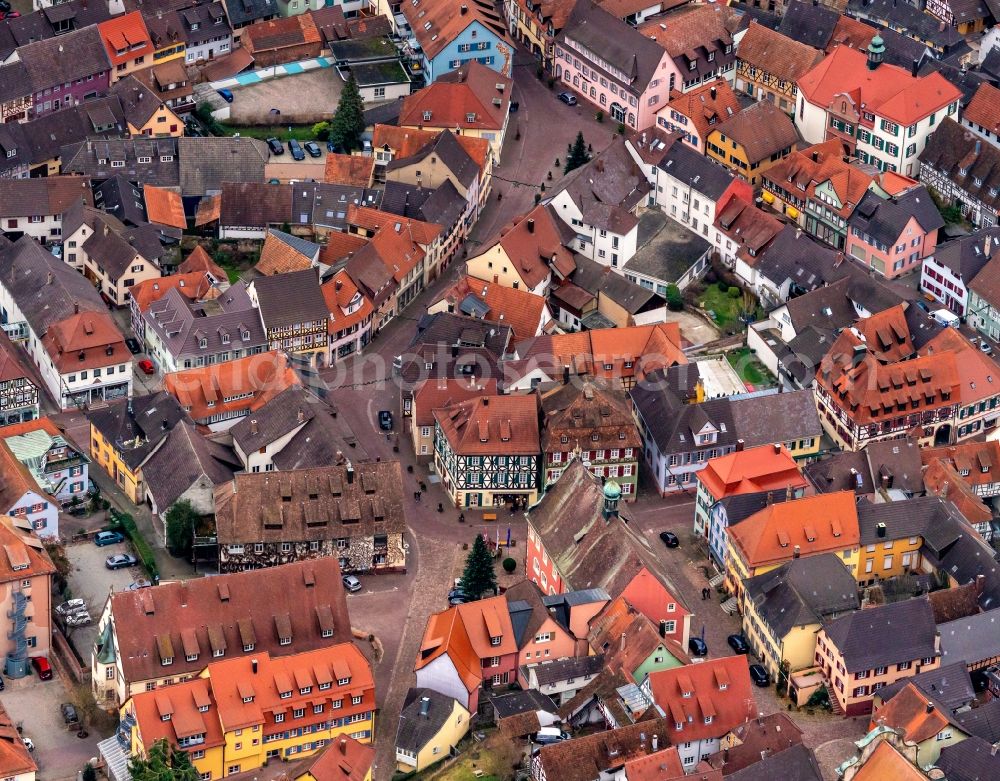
(126, 522)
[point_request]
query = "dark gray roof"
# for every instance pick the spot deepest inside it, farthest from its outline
(42, 24)
(114, 244)
(416, 728)
(953, 546)
(64, 59)
(451, 153)
(319, 203)
(184, 457)
(949, 684)
(383, 113)
(443, 205)
(776, 417)
(136, 426)
(793, 256)
(45, 289)
(885, 219)
(292, 298)
(181, 323)
(907, 19)
(700, 172)
(966, 255)
(243, 12)
(973, 759)
(896, 462)
(971, 640)
(884, 635)
(669, 252)
(966, 160)
(138, 101)
(911, 518)
(801, 357)
(670, 421)
(803, 592)
(118, 196)
(808, 23)
(94, 158)
(559, 605)
(512, 703)
(798, 763)
(601, 280)
(741, 506)
(620, 45)
(902, 50)
(564, 669)
(205, 163)
(846, 471)
(826, 307)
(983, 723)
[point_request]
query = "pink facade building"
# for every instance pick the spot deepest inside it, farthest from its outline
(893, 235)
(614, 67)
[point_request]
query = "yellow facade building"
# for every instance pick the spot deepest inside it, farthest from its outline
(430, 726)
(242, 712)
(785, 608)
(742, 145)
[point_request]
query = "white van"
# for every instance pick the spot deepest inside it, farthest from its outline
(946, 318)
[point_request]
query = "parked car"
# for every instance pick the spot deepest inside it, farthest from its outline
(313, 149)
(227, 95)
(72, 606)
(77, 619)
(567, 98)
(42, 669)
(670, 539)
(759, 675)
(120, 561)
(135, 585)
(11, 15)
(108, 538)
(738, 643)
(697, 646)
(133, 345)
(276, 147)
(296, 149)
(385, 420)
(146, 366)
(69, 715)
(549, 735)
(331, 147)
(457, 597)
(985, 347)
(351, 583)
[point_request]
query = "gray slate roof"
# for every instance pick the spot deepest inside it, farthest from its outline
(136, 426)
(803, 592)
(807, 23)
(45, 289)
(694, 169)
(181, 460)
(564, 669)
(971, 640)
(949, 684)
(513, 703)
(982, 722)
(205, 163)
(911, 518)
(64, 59)
(885, 219)
(414, 729)
(972, 759)
(289, 299)
(884, 635)
(451, 153)
(181, 323)
(798, 763)
(162, 170)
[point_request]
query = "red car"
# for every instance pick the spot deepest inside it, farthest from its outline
(42, 668)
(146, 366)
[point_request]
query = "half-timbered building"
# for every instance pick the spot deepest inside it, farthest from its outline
(768, 64)
(18, 394)
(294, 312)
(486, 451)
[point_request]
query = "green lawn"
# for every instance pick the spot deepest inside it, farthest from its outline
(232, 272)
(263, 132)
(749, 368)
(725, 309)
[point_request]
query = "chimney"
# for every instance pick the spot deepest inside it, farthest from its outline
(486, 401)
(464, 10)
(777, 448)
(979, 146)
(713, 92)
(815, 157)
(350, 474)
(656, 738)
(930, 706)
(622, 644)
(663, 630)
(338, 285)
(49, 278)
(796, 552)
(253, 426)
(740, 444)
(253, 665)
(343, 746)
(496, 279)
(566, 374)
(980, 583)
(531, 225)
(880, 529)
(76, 307)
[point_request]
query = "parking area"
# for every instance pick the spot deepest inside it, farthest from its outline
(91, 581)
(303, 98)
(34, 705)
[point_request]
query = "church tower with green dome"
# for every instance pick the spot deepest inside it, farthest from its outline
(612, 495)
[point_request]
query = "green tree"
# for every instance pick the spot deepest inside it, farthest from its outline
(163, 763)
(675, 301)
(321, 130)
(478, 576)
(181, 521)
(349, 121)
(577, 154)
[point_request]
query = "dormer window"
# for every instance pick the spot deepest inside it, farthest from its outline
(686, 695)
(248, 647)
(679, 726)
(166, 661)
(343, 681)
(203, 343)
(723, 687)
(305, 690)
(191, 657)
(963, 171)
(217, 652)
(495, 640)
(285, 641)
(708, 719)
(248, 698)
(202, 709)
(225, 338)
(246, 336)
(165, 717)
(285, 695)
(470, 118)
(427, 116)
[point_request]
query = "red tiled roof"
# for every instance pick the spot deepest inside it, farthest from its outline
(716, 688)
(280, 33)
(349, 169)
(441, 393)
(533, 242)
(279, 257)
(776, 54)
(887, 91)
(520, 309)
(851, 32)
(814, 524)
(85, 341)
(340, 245)
(14, 756)
(264, 376)
(199, 260)
(886, 762)
(195, 286)
(339, 292)
(664, 765)
(164, 206)
(764, 468)
(909, 713)
(491, 424)
(126, 34)
(984, 108)
(705, 106)
(344, 759)
(452, 98)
